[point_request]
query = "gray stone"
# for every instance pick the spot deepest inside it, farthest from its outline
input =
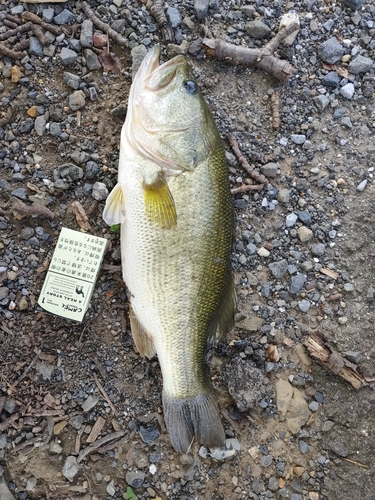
(321, 102)
(232, 447)
(68, 56)
(71, 80)
(270, 169)
(201, 8)
(347, 90)
(340, 449)
(4, 292)
(304, 233)
(48, 14)
(283, 196)
(118, 25)
(353, 356)
(318, 249)
(296, 284)
(89, 403)
(361, 186)
(77, 100)
(3, 441)
(305, 217)
(298, 138)
(5, 493)
(99, 191)
(76, 421)
(17, 10)
(92, 60)
(257, 29)
(40, 125)
(70, 468)
(92, 170)
(35, 47)
(278, 269)
(331, 51)
(304, 305)
(353, 4)
(303, 447)
(65, 17)
(20, 193)
(346, 122)
(55, 129)
(331, 79)
(290, 219)
(135, 478)
(314, 406)
(26, 127)
(87, 31)
(68, 172)
(174, 17)
(245, 384)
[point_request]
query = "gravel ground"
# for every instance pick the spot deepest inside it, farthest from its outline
(80, 411)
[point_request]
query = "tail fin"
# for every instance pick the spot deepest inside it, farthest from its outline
(197, 416)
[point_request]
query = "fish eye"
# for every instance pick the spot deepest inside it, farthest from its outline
(190, 86)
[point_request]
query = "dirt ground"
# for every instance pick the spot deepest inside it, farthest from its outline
(51, 367)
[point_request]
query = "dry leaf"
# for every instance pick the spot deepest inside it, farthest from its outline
(108, 62)
(81, 216)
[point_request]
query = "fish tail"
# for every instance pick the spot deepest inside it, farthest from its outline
(197, 416)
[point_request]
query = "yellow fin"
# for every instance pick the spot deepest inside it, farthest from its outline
(142, 340)
(160, 206)
(114, 210)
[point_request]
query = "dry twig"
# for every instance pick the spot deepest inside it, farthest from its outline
(29, 16)
(157, 10)
(11, 53)
(263, 58)
(105, 395)
(15, 31)
(103, 26)
(275, 109)
(34, 209)
(100, 442)
(320, 349)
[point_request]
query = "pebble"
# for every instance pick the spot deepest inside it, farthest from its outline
(331, 51)
(283, 196)
(65, 17)
(201, 8)
(314, 406)
(72, 80)
(347, 90)
(68, 56)
(263, 252)
(232, 447)
(291, 219)
(111, 490)
(70, 468)
(99, 191)
(303, 447)
(354, 356)
(298, 138)
(296, 284)
(257, 29)
(89, 403)
(361, 186)
(135, 478)
(86, 35)
(353, 4)
(245, 384)
(304, 233)
(270, 169)
(318, 249)
(174, 17)
(77, 100)
(92, 60)
(360, 64)
(279, 268)
(35, 48)
(304, 305)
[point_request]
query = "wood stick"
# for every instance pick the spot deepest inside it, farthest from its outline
(100, 442)
(15, 31)
(105, 395)
(157, 10)
(262, 58)
(244, 163)
(29, 16)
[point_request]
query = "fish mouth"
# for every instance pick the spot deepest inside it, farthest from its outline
(155, 76)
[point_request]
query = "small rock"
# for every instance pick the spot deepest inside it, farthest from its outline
(76, 422)
(305, 217)
(92, 60)
(360, 64)
(251, 324)
(77, 100)
(149, 433)
(314, 406)
(138, 53)
(90, 402)
(270, 169)
(303, 447)
(201, 8)
(331, 79)
(86, 36)
(321, 102)
(327, 426)
(348, 287)
(340, 449)
(318, 249)
(353, 4)
(111, 490)
(72, 80)
(99, 191)
(296, 284)
(40, 125)
(353, 356)
(3, 441)
(291, 219)
(68, 56)
(361, 186)
(245, 384)
(279, 268)
(20, 193)
(257, 29)
(55, 448)
(304, 305)
(347, 90)
(298, 138)
(4, 292)
(70, 468)
(55, 129)
(263, 252)
(331, 51)
(135, 478)
(65, 17)
(283, 196)
(304, 233)
(173, 16)
(35, 47)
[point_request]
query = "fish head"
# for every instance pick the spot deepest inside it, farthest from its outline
(168, 120)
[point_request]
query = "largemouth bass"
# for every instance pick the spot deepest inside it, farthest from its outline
(174, 205)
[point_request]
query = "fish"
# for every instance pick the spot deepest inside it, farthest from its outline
(175, 208)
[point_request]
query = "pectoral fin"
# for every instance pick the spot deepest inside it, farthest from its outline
(114, 210)
(142, 340)
(160, 206)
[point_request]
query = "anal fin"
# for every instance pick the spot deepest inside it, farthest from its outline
(224, 316)
(142, 340)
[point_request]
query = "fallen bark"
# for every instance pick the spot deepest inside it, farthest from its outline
(15, 31)
(103, 26)
(275, 109)
(244, 163)
(30, 16)
(320, 349)
(263, 58)
(34, 209)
